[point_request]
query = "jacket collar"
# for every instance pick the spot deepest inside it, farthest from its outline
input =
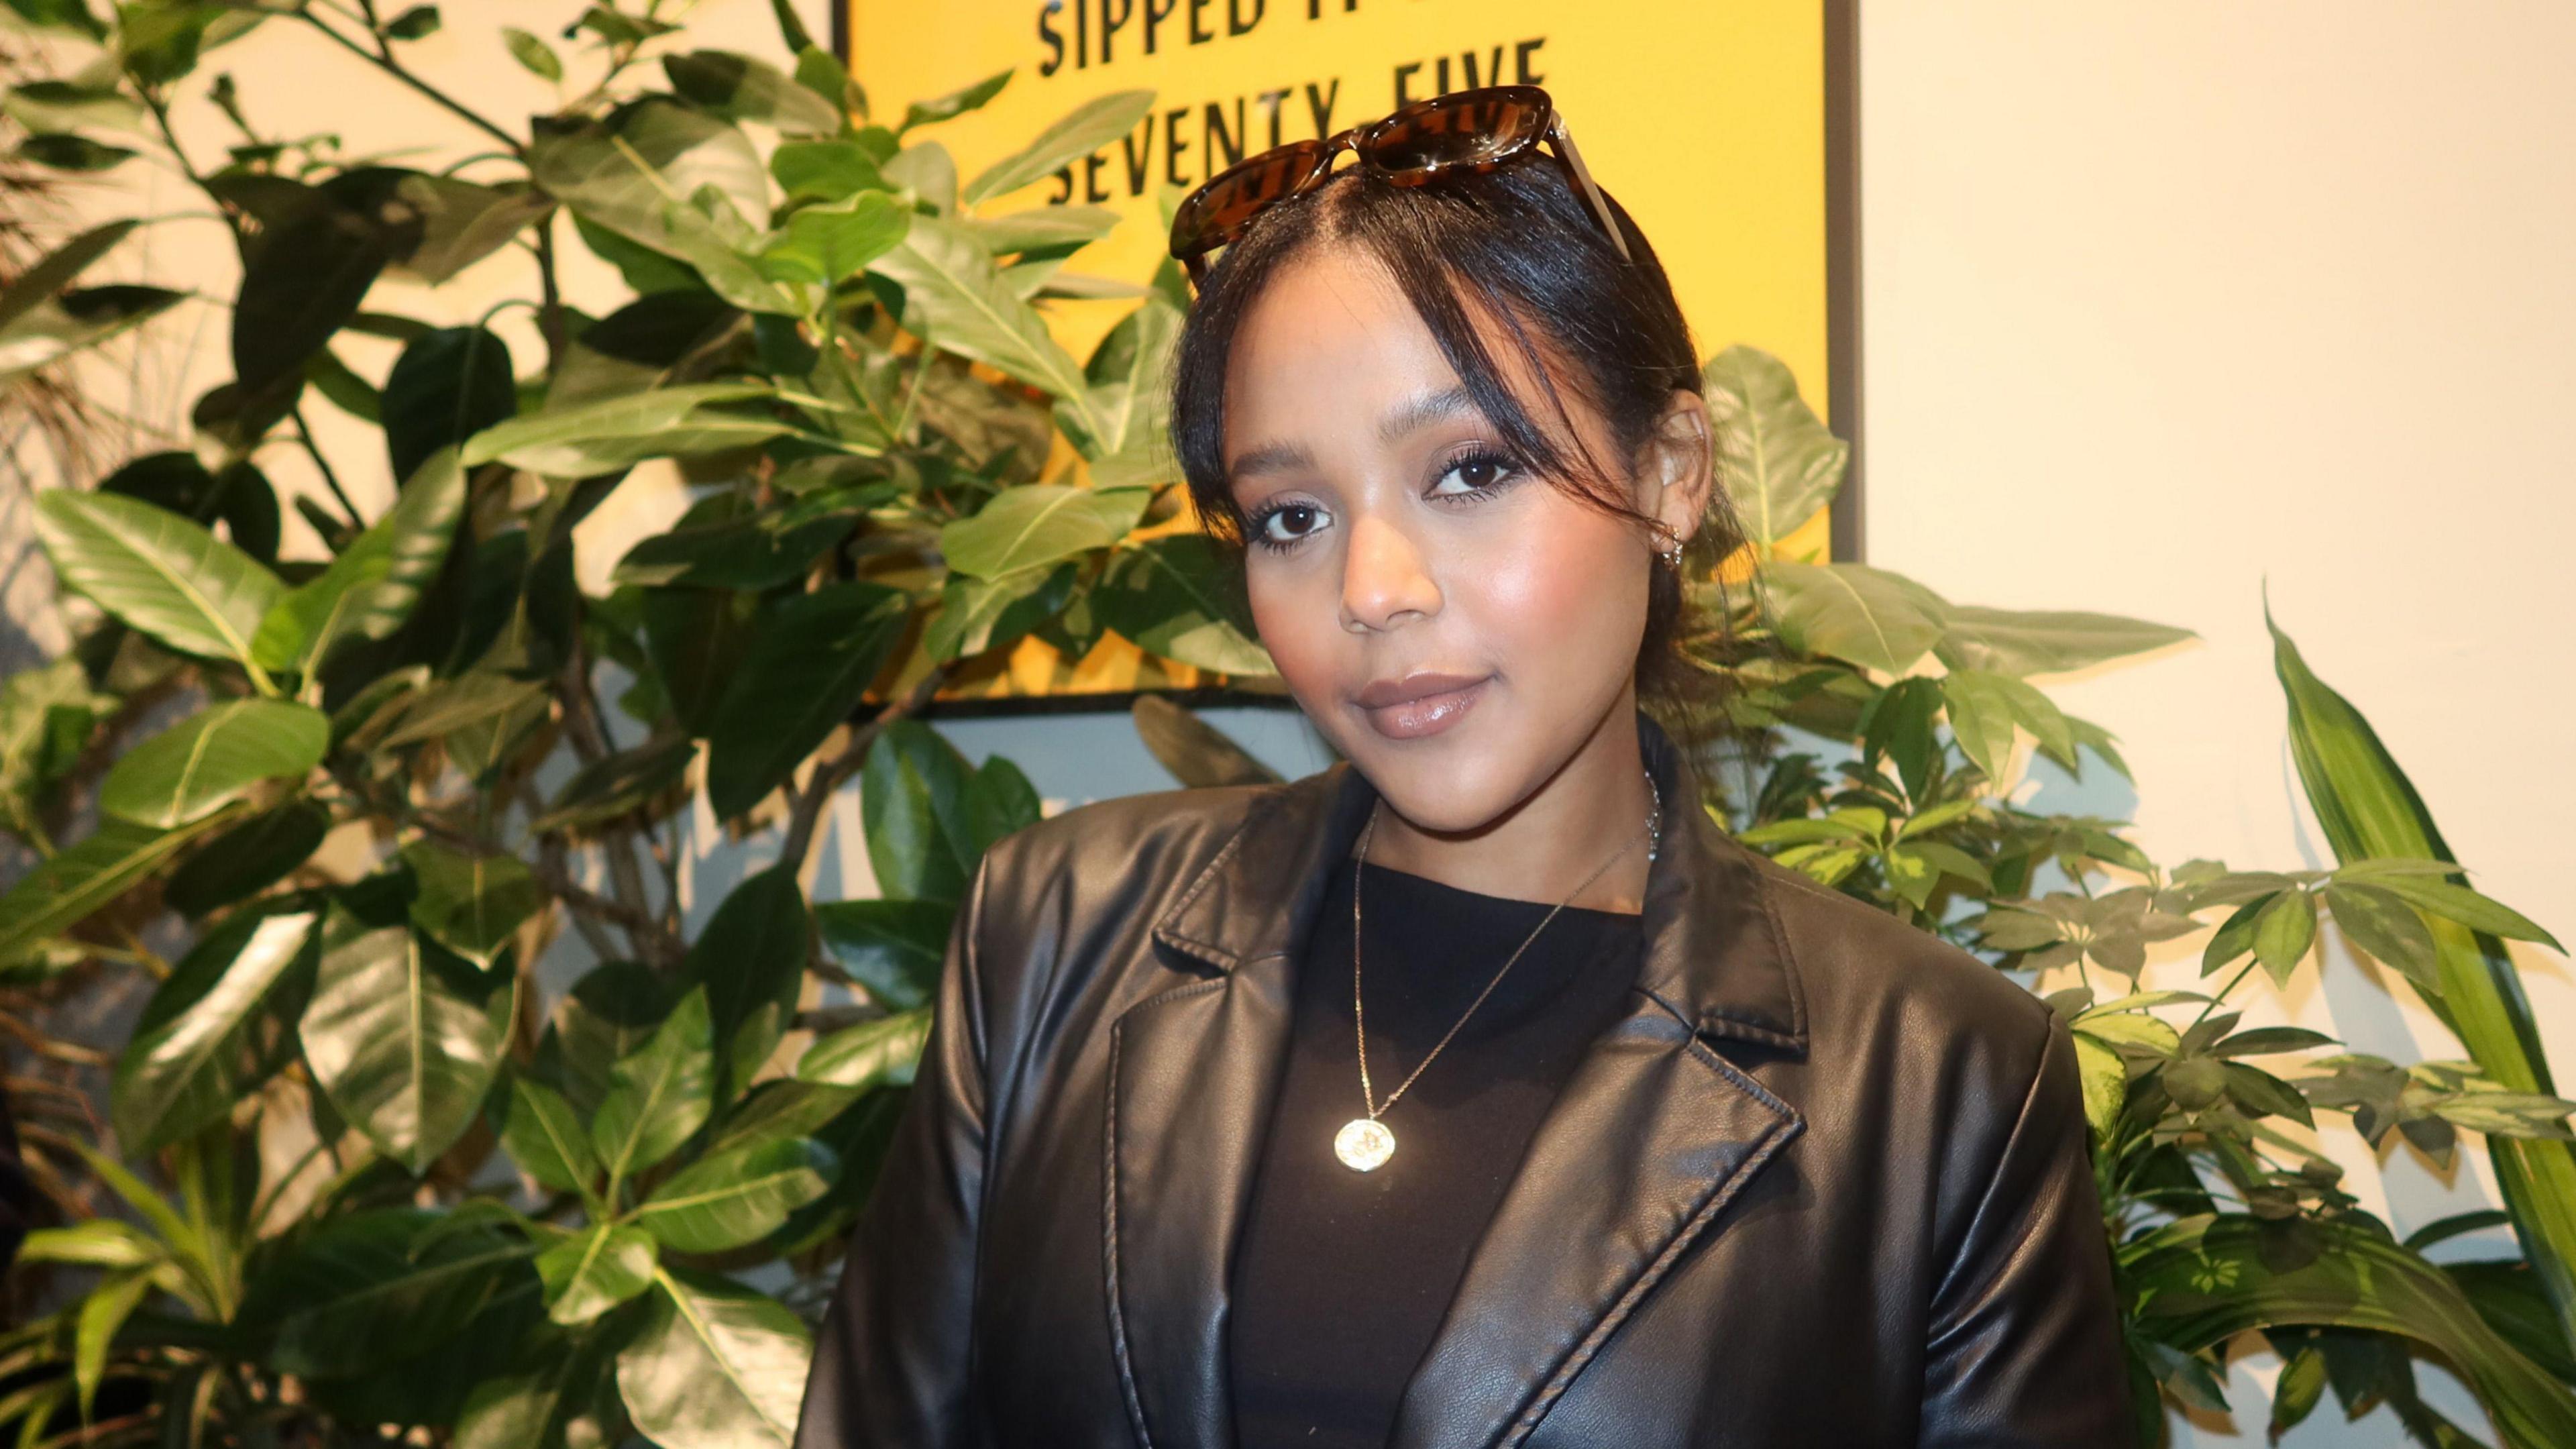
(1714, 954)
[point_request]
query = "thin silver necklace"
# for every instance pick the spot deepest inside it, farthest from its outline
(1365, 1143)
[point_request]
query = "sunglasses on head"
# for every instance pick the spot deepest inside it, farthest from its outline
(1469, 131)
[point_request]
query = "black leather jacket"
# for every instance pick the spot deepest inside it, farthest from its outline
(1825, 1184)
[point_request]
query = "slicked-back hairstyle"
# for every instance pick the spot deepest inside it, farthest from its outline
(1518, 246)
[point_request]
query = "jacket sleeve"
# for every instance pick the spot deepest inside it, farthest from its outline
(891, 1366)
(2024, 1347)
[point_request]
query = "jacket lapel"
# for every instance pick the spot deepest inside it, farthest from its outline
(1652, 1136)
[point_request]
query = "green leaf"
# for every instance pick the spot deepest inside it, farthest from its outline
(958, 298)
(2265, 1040)
(976, 615)
(1853, 612)
(102, 1316)
(610, 1014)
(1088, 127)
(754, 550)
(535, 55)
(545, 1138)
(248, 858)
(198, 1049)
(659, 1096)
(825, 170)
(67, 152)
(740, 88)
(715, 1366)
(302, 280)
(450, 224)
(737, 1198)
(881, 1052)
(372, 1288)
(805, 671)
(471, 904)
(403, 1036)
(2388, 929)
(48, 277)
(618, 432)
(1197, 753)
(751, 955)
(1056, 230)
(2258, 1093)
(956, 103)
(56, 328)
(2019, 642)
(1174, 596)
(677, 180)
(2463, 906)
(912, 800)
(2105, 1080)
(67, 887)
(95, 1243)
(894, 948)
(824, 244)
(2203, 1280)
(213, 758)
(593, 1271)
(373, 587)
(2367, 808)
(617, 783)
(2283, 933)
(53, 105)
(1037, 524)
(418, 23)
(449, 384)
(1984, 708)
(1775, 458)
(158, 572)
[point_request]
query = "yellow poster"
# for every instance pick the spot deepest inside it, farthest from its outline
(1708, 119)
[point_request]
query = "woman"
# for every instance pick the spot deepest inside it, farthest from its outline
(1701, 1154)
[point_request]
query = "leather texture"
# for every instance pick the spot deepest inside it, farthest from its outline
(1824, 1183)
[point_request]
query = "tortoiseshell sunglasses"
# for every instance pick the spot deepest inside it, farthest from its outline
(1464, 131)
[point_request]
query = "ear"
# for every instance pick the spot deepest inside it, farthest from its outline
(1677, 466)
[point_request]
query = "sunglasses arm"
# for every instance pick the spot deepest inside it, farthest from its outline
(1565, 147)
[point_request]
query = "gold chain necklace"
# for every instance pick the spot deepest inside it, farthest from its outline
(1364, 1143)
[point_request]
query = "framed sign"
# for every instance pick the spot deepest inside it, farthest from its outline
(1726, 127)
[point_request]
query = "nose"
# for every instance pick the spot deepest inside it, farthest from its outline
(1384, 578)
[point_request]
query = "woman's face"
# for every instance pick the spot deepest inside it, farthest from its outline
(1458, 628)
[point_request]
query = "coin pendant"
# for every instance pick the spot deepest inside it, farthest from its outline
(1364, 1144)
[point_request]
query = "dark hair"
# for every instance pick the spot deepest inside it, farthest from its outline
(1519, 246)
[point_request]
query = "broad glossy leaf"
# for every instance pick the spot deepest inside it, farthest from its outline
(68, 886)
(459, 223)
(2463, 906)
(546, 1139)
(642, 173)
(807, 666)
(1038, 524)
(238, 495)
(248, 858)
(1175, 597)
(660, 1095)
(1853, 612)
(777, 1110)
(302, 280)
(751, 955)
(756, 550)
(462, 703)
(471, 904)
(57, 269)
(1985, 707)
(593, 1271)
(1088, 127)
(198, 1050)
(1130, 375)
(375, 1287)
(2020, 642)
(373, 587)
(53, 105)
(955, 103)
(738, 1197)
(1774, 456)
(403, 1036)
(613, 433)
(2202, 1280)
(157, 571)
(926, 170)
(881, 1052)
(1197, 753)
(976, 615)
(956, 296)
(57, 327)
(824, 244)
(912, 799)
(2388, 929)
(2105, 1080)
(743, 89)
(617, 783)
(894, 948)
(212, 758)
(449, 384)
(610, 1014)
(2367, 808)
(2284, 931)
(825, 170)
(715, 1366)
(1044, 229)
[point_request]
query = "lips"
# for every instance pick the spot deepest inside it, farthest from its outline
(1419, 704)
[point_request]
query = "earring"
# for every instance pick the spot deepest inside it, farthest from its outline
(1671, 551)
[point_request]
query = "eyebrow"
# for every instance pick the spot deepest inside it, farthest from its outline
(1416, 412)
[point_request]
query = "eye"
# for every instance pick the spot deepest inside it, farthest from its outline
(1482, 469)
(1282, 526)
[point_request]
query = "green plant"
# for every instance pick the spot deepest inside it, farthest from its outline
(369, 1170)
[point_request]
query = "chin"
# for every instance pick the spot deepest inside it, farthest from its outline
(1450, 783)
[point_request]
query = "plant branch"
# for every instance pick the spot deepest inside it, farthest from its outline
(827, 775)
(382, 58)
(330, 479)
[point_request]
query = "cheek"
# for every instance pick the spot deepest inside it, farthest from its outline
(1565, 596)
(1296, 612)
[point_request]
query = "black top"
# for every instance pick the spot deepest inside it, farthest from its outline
(1341, 1277)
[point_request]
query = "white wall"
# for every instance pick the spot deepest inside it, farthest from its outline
(2165, 301)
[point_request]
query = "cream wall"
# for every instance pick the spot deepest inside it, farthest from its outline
(2165, 301)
